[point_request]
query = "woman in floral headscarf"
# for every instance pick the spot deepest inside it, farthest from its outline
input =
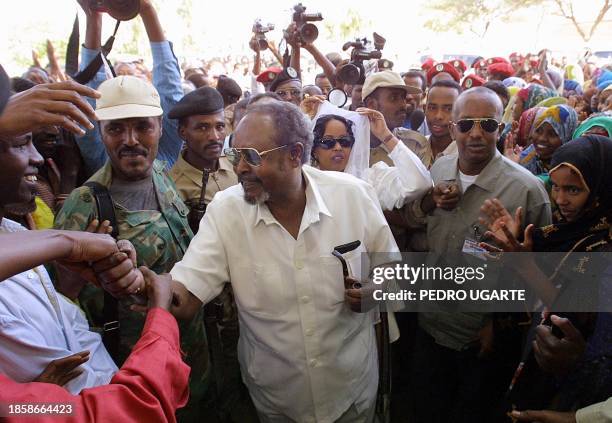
(553, 127)
(529, 97)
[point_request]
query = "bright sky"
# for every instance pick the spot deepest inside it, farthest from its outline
(224, 27)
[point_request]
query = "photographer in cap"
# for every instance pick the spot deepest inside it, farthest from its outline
(133, 189)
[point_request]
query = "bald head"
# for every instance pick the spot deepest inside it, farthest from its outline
(481, 95)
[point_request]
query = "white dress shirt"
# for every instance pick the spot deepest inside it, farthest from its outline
(406, 181)
(38, 325)
(303, 353)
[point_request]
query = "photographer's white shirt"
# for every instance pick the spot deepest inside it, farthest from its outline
(303, 353)
(38, 325)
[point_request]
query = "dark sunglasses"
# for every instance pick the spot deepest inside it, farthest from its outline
(486, 124)
(250, 155)
(329, 143)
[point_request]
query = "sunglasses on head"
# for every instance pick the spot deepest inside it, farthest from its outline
(327, 143)
(250, 155)
(486, 124)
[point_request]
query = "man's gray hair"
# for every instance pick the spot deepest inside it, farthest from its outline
(292, 126)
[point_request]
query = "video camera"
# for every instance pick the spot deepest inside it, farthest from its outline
(354, 71)
(260, 30)
(122, 10)
(307, 32)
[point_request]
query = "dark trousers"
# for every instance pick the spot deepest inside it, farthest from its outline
(452, 386)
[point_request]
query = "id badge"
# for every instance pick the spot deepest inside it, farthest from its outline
(473, 248)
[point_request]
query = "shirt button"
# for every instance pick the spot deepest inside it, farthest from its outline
(313, 362)
(30, 275)
(305, 299)
(309, 332)
(299, 264)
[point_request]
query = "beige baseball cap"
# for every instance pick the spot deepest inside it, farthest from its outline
(386, 79)
(127, 97)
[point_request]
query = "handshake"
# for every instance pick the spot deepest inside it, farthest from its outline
(99, 259)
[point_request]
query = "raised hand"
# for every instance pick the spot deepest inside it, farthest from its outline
(310, 105)
(378, 126)
(494, 214)
(57, 103)
(512, 151)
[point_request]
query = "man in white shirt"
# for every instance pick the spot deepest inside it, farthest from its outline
(305, 354)
(37, 325)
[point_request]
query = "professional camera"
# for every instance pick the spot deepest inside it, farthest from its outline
(307, 32)
(260, 33)
(122, 10)
(354, 71)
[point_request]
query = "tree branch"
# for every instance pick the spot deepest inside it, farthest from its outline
(605, 8)
(572, 18)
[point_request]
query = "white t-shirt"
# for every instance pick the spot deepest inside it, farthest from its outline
(466, 180)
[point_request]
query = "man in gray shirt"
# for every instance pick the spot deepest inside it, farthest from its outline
(453, 363)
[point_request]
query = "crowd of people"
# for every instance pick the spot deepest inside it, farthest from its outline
(171, 239)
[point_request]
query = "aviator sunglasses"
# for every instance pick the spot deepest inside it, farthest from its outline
(250, 155)
(486, 124)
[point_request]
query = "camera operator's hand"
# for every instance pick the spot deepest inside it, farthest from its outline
(57, 103)
(292, 36)
(86, 6)
(254, 45)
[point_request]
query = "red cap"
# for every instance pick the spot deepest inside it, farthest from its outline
(480, 64)
(443, 67)
(472, 81)
(428, 64)
(493, 60)
(269, 74)
(505, 69)
(459, 64)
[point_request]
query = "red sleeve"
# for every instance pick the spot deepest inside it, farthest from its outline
(149, 387)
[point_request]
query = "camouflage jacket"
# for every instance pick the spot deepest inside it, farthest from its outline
(160, 239)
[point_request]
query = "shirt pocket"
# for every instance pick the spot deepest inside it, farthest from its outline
(269, 291)
(330, 288)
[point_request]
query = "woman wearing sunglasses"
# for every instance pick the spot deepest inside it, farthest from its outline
(335, 141)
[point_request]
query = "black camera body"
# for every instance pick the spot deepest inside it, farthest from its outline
(122, 10)
(354, 71)
(307, 31)
(260, 30)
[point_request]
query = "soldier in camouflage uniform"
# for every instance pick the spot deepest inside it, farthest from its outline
(149, 213)
(202, 127)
